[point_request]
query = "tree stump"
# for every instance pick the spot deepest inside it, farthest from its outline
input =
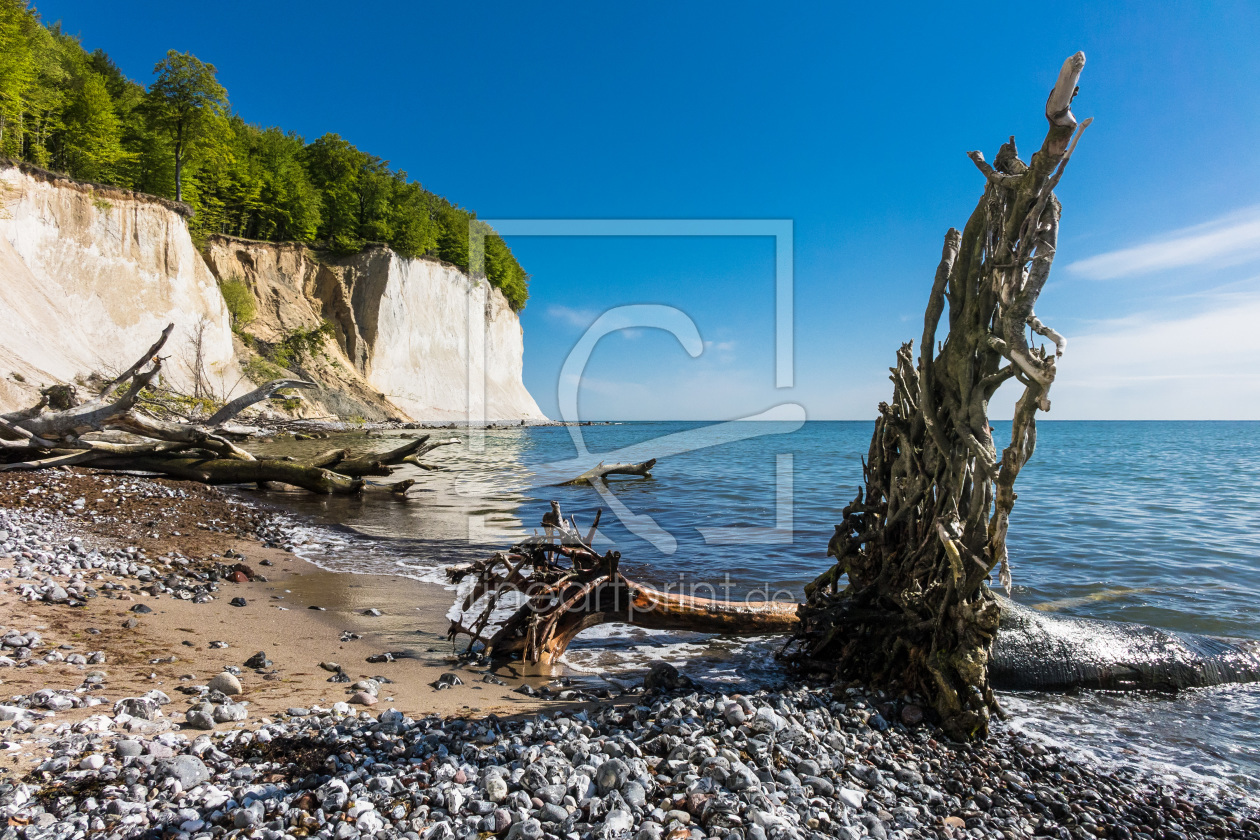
(929, 526)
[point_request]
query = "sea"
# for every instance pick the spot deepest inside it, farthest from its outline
(1151, 522)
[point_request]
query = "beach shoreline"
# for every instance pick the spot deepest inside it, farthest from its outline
(294, 612)
(801, 762)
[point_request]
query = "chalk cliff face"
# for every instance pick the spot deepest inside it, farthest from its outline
(88, 280)
(90, 276)
(438, 342)
(432, 341)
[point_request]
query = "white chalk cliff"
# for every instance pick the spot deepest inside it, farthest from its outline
(417, 333)
(89, 277)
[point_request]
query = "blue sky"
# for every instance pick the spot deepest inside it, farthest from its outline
(852, 121)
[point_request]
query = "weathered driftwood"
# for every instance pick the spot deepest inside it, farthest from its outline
(109, 430)
(386, 463)
(922, 537)
(567, 587)
(602, 470)
(563, 587)
(263, 392)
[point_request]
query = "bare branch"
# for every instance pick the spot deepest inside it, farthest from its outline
(149, 356)
(92, 416)
(28, 438)
(1000, 179)
(1060, 343)
(259, 394)
(1059, 105)
(64, 459)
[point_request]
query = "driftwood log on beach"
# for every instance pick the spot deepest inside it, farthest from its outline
(381, 464)
(564, 586)
(602, 470)
(111, 431)
(531, 601)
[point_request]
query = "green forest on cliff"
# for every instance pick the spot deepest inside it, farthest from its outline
(69, 110)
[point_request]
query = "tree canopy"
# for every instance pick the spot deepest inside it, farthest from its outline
(66, 109)
(187, 104)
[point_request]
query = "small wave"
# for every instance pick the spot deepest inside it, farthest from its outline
(1211, 737)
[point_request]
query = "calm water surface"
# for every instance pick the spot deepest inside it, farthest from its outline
(1136, 521)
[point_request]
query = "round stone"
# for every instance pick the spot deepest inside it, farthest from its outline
(611, 775)
(496, 788)
(226, 683)
(198, 719)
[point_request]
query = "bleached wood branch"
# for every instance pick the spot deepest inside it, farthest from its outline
(257, 395)
(600, 470)
(1059, 105)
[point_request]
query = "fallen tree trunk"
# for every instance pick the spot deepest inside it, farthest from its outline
(567, 587)
(602, 470)
(229, 471)
(626, 602)
(564, 587)
(386, 463)
(257, 395)
(110, 431)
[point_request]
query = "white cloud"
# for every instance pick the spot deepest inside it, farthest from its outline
(1228, 240)
(581, 318)
(720, 346)
(1162, 367)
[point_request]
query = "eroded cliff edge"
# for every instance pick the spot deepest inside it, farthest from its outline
(417, 333)
(88, 279)
(90, 275)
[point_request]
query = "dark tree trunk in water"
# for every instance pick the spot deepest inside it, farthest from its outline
(920, 540)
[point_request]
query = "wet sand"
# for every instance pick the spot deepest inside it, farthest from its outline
(276, 621)
(170, 646)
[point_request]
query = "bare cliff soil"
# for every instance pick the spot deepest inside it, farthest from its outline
(413, 338)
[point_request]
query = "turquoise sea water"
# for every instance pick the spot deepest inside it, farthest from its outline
(1151, 522)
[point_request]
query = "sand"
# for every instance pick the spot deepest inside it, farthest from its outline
(170, 646)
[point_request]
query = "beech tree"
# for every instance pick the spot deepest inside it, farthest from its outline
(188, 104)
(93, 132)
(17, 71)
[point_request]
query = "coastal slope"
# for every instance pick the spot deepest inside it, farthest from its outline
(419, 334)
(90, 275)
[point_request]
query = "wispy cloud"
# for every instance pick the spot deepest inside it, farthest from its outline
(720, 346)
(1199, 365)
(582, 318)
(1231, 239)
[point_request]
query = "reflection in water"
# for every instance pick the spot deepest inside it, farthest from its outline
(453, 514)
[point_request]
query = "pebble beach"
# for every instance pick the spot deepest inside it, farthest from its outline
(160, 679)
